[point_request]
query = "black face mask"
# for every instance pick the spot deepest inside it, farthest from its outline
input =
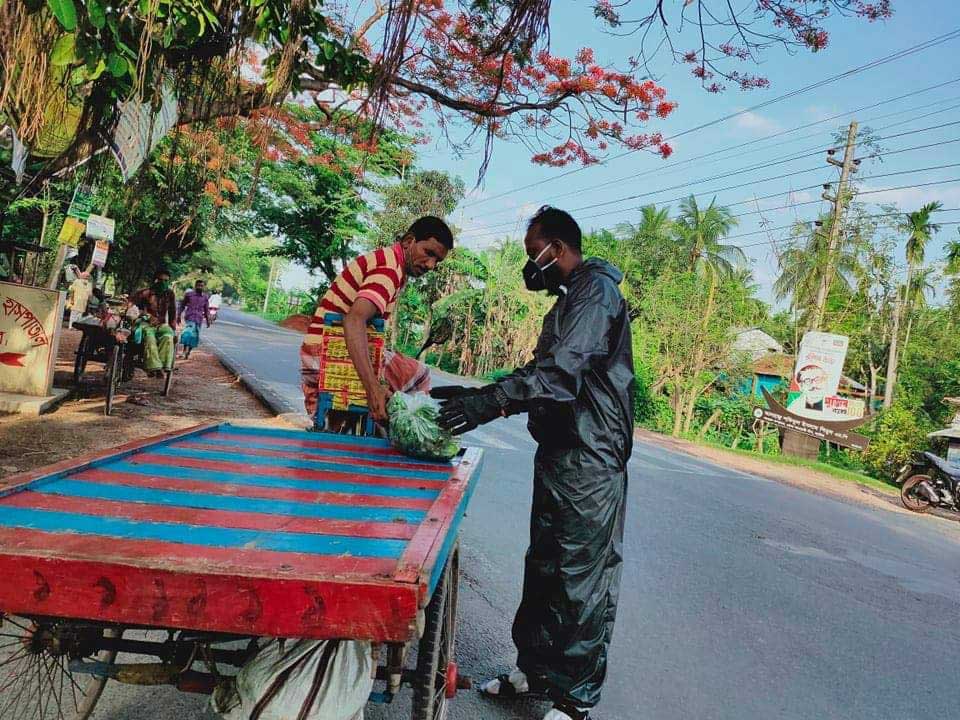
(547, 278)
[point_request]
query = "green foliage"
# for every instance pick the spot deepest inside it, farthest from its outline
(894, 437)
(428, 192)
(313, 202)
(731, 417)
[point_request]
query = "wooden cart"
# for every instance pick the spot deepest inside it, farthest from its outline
(221, 535)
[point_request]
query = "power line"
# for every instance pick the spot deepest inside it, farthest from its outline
(807, 88)
(788, 227)
(669, 168)
(798, 155)
(729, 187)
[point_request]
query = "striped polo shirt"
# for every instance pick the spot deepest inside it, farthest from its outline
(377, 276)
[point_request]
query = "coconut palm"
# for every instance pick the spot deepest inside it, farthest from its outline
(952, 259)
(804, 264)
(700, 232)
(919, 230)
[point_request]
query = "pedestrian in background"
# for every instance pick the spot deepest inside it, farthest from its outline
(194, 309)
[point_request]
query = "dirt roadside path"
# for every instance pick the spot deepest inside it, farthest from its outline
(203, 391)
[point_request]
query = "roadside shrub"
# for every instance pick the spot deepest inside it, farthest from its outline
(894, 437)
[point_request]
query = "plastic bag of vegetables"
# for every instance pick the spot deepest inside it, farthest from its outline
(414, 430)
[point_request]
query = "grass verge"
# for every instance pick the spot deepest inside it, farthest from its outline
(839, 473)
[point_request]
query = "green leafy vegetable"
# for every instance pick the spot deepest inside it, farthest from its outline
(414, 430)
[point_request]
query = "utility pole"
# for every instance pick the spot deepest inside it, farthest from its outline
(839, 200)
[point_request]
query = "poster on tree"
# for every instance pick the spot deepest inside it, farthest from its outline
(100, 228)
(29, 319)
(100, 252)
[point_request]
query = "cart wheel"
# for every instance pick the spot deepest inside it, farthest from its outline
(167, 382)
(436, 651)
(114, 374)
(80, 364)
(35, 681)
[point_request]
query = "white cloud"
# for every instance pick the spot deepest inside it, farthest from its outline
(822, 112)
(910, 199)
(756, 123)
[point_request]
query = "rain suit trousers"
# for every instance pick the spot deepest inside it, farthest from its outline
(571, 581)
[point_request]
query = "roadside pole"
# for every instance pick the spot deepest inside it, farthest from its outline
(792, 442)
(839, 200)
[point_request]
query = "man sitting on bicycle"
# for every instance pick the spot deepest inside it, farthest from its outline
(159, 331)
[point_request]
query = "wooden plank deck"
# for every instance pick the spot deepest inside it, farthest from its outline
(258, 531)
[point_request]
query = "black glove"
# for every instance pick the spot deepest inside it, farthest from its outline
(464, 413)
(448, 392)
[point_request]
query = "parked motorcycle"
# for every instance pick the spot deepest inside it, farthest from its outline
(929, 481)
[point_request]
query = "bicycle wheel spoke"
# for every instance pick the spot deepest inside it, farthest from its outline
(56, 698)
(19, 656)
(60, 691)
(14, 702)
(7, 618)
(36, 662)
(73, 685)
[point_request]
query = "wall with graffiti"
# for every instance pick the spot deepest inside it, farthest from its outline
(29, 322)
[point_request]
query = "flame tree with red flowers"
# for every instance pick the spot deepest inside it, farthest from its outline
(468, 68)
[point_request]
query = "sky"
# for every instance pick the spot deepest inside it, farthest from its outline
(853, 43)
(500, 206)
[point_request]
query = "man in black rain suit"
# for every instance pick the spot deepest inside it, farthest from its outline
(578, 394)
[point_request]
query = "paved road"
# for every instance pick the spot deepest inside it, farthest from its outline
(742, 598)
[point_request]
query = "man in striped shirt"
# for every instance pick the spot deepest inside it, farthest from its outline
(368, 287)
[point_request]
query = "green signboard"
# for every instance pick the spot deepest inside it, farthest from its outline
(82, 203)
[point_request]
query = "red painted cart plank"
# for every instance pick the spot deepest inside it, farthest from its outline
(255, 491)
(13, 483)
(198, 601)
(292, 454)
(216, 518)
(287, 472)
(317, 443)
(172, 556)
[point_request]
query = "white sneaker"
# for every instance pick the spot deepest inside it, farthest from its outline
(580, 714)
(517, 678)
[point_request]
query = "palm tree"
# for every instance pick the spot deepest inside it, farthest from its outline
(952, 259)
(757, 310)
(699, 232)
(922, 284)
(804, 266)
(920, 230)
(654, 227)
(952, 269)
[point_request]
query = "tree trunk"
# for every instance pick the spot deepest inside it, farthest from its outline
(678, 405)
(688, 411)
(710, 421)
(906, 336)
(892, 359)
